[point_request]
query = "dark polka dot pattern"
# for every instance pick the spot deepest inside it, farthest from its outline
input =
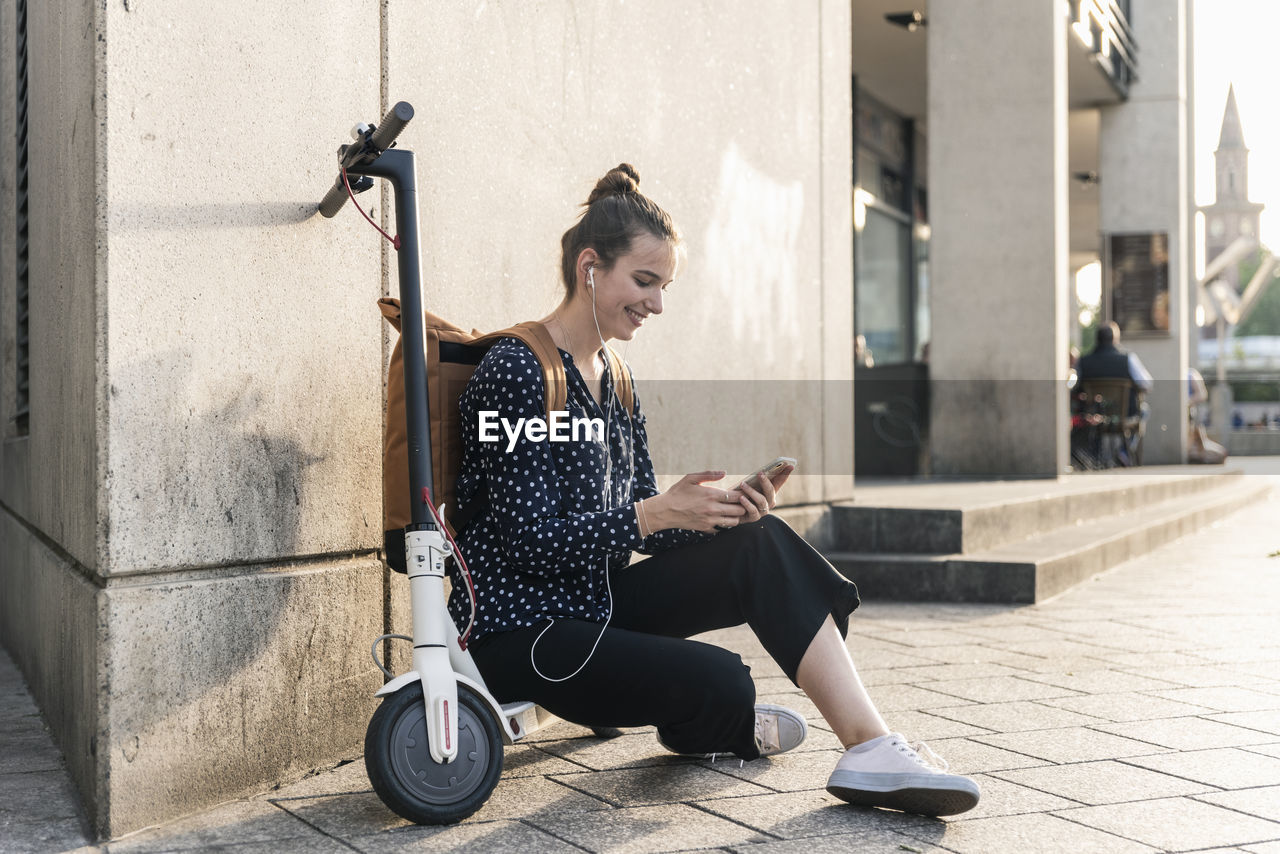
(551, 524)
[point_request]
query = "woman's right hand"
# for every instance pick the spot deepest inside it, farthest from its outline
(690, 505)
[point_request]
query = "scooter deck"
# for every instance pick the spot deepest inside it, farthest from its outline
(524, 719)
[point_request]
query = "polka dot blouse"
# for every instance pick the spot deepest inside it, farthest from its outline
(551, 521)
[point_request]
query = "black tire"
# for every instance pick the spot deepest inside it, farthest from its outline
(406, 778)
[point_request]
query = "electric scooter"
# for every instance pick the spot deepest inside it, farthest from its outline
(433, 750)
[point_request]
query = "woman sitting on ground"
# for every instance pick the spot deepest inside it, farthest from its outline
(565, 620)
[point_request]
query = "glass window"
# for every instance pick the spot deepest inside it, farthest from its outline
(882, 312)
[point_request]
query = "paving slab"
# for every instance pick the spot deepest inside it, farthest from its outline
(42, 837)
(626, 751)
(1105, 782)
(1188, 733)
(871, 842)
(1002, 797)
(999, 689)
(1126, 706)
(233, 824)
(485, 837)
(793, 815)
(927, 726)
(633, 787)
(969, 756)
(1038, 832)
(1099, 680)
(1226, 768)
(895, 698)
(1070, 744)
(362, 813)
(1266, 722)
(1014, 717)
(1175, 824)
(1224, 699)
(1265, 749)
(643, 830)
(786, 772)
(1241, 654)
(1263, 802)
(926, 674)
(1204, 675)
(979, 654)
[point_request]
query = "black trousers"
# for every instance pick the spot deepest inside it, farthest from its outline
(644, 671)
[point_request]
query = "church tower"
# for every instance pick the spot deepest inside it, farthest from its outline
(1231, 214)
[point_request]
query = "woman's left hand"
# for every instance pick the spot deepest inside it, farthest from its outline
(758, 502)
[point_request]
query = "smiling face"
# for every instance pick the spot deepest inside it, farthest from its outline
(632, 289)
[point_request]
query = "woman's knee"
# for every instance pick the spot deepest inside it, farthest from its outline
(719, 678)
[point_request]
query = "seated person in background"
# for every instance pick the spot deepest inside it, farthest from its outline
(1109, 361)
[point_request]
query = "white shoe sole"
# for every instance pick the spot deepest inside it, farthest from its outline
(922, 794)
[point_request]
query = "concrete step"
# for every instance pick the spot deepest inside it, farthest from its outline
(1039, 567)
(950, 517)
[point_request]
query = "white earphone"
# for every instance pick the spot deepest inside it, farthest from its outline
(608, 491)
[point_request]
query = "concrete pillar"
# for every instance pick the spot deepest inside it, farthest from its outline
(998, 208)
(1145, 186)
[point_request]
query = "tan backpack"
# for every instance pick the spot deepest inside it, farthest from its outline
(452, 356)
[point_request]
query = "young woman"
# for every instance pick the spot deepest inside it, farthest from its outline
(562, 616)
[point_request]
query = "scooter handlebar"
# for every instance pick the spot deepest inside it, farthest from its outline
(366, 152)
(391, 125)
(334, 199)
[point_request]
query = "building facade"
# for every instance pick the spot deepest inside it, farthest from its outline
(192, 377)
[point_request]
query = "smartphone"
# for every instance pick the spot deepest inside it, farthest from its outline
(767, 471)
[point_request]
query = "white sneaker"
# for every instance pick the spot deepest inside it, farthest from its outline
(777, 730)
(889, 772)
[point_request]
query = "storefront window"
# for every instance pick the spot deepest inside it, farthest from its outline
(882, 310)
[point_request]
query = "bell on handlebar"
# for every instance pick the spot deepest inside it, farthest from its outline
(359, 130)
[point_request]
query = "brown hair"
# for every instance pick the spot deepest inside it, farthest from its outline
(615, 212)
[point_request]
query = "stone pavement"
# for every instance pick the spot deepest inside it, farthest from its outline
(1138, 712)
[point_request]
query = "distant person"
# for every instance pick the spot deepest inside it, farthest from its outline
(1200, 448)
(1108, 361)
(1237, 420)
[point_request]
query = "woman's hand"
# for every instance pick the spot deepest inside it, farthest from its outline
(758, 502)
(688, 504)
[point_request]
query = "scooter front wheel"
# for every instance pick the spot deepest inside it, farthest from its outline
(405, 776)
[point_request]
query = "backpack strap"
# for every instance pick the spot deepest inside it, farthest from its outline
(536, 337)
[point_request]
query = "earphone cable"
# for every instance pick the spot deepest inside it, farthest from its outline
(608, 456)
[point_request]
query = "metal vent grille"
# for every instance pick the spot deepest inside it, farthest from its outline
(22, 398)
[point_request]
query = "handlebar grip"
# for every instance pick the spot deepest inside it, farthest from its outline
(391, 125)
(334, 199)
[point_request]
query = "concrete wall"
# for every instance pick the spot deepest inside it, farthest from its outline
(1146, 168)
(189, 577)
(739, 126)
(999, 252)
(50, 484)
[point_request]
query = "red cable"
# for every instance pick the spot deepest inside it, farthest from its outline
(466, 573)
(395, 241)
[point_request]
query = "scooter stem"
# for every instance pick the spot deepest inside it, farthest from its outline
(425, 545)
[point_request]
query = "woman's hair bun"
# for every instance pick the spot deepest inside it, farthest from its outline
(618, 181)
